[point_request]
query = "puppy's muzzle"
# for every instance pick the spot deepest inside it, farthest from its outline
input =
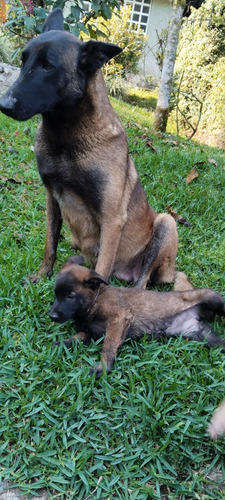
(54, 315)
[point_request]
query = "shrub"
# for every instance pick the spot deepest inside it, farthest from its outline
(26, 17)
(6, 49)
(132, 39)
(200, 65)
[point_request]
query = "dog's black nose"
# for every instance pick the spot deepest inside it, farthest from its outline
(54, 315)
(7, 103)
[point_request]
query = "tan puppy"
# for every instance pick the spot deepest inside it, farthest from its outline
(98, 308)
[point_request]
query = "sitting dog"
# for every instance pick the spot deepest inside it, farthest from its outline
(99, 308)
(82, 155)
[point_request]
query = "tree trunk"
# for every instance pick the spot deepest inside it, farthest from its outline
(163, 103)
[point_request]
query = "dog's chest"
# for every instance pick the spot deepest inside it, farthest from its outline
(65, 174)
(95, 326)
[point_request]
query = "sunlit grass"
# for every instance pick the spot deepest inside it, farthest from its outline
(140, 432)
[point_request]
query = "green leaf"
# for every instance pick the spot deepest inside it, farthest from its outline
(29, 22)
(95, 5)
(75, 11)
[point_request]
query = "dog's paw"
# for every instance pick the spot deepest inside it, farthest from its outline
(98, 370)
(67, 342)
(34, 278)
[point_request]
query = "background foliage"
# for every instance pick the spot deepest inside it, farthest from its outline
(25, 18)
(201, 66)
(132, 39)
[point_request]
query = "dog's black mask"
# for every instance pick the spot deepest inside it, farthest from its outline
(68, 303)
(53, 63)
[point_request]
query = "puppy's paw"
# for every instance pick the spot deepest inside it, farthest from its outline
(67, 342)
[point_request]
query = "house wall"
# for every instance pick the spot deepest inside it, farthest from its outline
(160, 15)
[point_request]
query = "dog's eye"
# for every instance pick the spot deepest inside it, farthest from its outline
(70, 295)
(47, 66)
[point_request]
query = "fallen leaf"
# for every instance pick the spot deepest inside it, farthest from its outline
(134, 125)
(148, 175)
(149, 144)
(178, 217)
(202, 162)
(19, 237)
(13, 151)
(14, 181)
(211, 160)
(170, 141)
(192, 175)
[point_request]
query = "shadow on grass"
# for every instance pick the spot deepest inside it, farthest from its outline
(142, 98)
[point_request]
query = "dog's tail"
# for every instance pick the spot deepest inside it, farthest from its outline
(181, 282)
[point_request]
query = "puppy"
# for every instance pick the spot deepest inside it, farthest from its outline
(99, 308)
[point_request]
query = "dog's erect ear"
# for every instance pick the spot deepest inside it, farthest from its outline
(94, 281)
(95, 54)
(54, 21)
(75, 259)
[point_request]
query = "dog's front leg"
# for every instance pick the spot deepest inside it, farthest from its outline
(85, 337)
(54, 224)
(114, 338)
(109, 241)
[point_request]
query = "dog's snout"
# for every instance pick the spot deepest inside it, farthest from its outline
(7, 103)
(54, 315)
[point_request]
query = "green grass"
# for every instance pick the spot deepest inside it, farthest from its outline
(140, 432)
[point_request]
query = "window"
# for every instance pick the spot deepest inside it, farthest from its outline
(87, 6)
(140, 12)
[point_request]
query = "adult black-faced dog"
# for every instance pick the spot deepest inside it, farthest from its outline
(82, 155)
(99, 308)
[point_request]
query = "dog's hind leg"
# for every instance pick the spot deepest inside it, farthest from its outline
(160, 253)
(190, 323)
(181, 282)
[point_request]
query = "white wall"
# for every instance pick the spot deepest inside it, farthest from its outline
(160, 15)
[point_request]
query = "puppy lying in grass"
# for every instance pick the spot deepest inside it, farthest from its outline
(99, 308)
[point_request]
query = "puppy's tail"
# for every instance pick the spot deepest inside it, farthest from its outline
(181, 282)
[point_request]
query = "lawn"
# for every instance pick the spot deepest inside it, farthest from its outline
(140, 432)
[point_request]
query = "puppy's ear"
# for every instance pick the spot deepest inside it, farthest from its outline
(94, 54)
(94, 281)
(54, 21)
(75, 259)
